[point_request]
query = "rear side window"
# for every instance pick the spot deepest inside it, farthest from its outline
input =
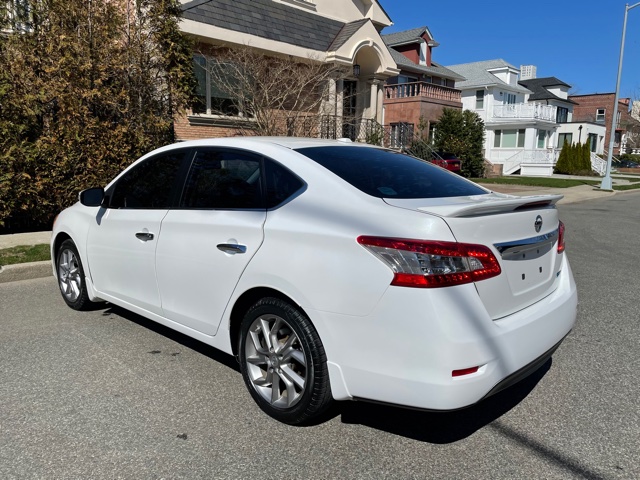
(386, 174)
(223, 179)
(281, 183)
(149, 185)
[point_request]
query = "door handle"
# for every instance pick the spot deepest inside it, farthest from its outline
(232, 248)
(144, 236)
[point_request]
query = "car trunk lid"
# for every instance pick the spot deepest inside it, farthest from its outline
(522, 232)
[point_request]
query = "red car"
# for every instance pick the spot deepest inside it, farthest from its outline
(448, 161)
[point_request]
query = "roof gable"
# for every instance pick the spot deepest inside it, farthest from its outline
(478, 74)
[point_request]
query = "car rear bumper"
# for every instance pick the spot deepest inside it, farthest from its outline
(404, 353)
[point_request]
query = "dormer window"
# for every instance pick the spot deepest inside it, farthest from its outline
(423, 52)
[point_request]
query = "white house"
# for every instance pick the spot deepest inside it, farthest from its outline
(518, 132)
(552, 91)
(526, 121)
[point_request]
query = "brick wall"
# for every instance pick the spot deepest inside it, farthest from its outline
(185, 131)
(585, 111)
(410, 110)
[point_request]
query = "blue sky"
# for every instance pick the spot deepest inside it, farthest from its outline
(575, 41)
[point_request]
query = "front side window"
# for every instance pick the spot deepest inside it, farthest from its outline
(387, 174)
(511, 98)
(223, 179)
(149, 185)
(600, 115)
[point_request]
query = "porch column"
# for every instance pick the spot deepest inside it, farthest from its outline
(330, 103)
(373, 101)
(339, 97)
(380, 103)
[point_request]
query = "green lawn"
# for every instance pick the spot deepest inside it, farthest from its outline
(25, 254)
(537, 181)
(632, 186)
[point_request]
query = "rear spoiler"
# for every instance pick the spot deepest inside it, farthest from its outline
(491, 205)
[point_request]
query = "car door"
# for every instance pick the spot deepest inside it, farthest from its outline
(208, 241)
(121, 244)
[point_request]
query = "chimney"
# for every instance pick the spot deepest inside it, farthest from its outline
(527, 72)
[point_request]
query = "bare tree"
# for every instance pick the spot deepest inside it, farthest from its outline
(272, 95)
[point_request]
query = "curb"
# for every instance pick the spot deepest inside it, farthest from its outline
(25, 271)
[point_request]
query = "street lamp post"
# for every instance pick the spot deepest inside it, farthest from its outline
(606, 180)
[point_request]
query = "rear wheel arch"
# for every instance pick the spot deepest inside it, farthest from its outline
(247, 300)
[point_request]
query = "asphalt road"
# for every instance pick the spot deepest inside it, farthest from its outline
(107, 394)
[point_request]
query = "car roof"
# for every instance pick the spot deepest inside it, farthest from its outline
(288, 142)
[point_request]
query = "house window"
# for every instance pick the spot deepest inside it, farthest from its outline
(562, 115)
(600, 115)
(423, 52)
(509, 138)
(542, 138)
(214, 94)
(479, 99)
(511, 98)
(401, 134)
(593, 141)
(562, 137)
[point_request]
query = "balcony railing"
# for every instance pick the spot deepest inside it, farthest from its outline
(525, 111)
(422, 90)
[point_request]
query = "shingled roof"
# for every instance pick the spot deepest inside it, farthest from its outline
(405, 64)
(270, 20)
(539, 88)
(406, 36)
(477, 75)
(347, 31)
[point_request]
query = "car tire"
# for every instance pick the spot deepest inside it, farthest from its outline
(71, 277)
(283, 362)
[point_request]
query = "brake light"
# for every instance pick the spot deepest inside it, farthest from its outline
(425, 264)
(561, 237)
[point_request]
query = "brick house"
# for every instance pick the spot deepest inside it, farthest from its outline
(422, 89)
(341, 32)
(598, 108)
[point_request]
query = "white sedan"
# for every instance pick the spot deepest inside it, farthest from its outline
(331, 270)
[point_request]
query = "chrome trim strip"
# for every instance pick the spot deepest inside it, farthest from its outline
(526, 243)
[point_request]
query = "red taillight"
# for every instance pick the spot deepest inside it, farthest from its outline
(561, 237)
(425, 264)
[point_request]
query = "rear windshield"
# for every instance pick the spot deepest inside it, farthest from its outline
(386, 174)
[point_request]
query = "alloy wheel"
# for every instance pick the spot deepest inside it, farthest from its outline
(69, 277)
(276, 361)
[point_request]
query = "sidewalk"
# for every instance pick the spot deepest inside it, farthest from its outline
(25, 271)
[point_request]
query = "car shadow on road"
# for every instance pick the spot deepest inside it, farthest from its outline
(431, 427)
(440, 427)
(191, 343)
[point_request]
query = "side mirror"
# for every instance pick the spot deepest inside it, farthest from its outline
(92, 197)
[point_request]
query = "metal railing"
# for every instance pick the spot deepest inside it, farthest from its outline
(525, 111)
